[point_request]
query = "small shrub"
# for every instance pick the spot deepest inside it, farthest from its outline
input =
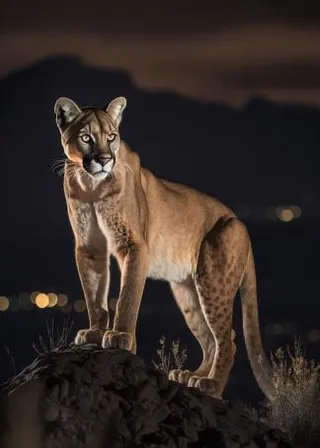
(296, 406)
(175, 358)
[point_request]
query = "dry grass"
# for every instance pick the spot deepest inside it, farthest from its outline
(12, 359)
(171, 359)
(55, 337)
(296, 407)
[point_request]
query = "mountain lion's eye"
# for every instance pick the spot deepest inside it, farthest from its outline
(112, 137)
(86, 138)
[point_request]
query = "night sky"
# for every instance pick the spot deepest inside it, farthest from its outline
(225, 99)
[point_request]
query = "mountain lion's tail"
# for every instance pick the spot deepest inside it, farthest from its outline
(260, 365)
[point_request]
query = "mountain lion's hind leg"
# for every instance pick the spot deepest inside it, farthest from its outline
(222, 260)
(188, 301)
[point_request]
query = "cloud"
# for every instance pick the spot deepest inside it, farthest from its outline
(280, 62)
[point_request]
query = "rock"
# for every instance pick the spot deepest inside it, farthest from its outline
(79, 397)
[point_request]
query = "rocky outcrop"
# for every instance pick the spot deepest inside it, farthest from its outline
(88, 397)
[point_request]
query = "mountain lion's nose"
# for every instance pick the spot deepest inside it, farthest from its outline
(103, 159)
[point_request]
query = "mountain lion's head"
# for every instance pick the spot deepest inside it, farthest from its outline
(90, 137)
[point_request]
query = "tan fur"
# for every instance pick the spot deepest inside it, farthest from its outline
(159, 229)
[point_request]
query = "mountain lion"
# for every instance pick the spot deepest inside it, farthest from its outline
(159, 229)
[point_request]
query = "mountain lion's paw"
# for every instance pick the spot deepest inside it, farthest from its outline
(180, 376)
(193, 380)
(89, 337)
(117, 339)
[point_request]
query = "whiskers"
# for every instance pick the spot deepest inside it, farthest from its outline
(58, 166)
(64, 166)
(71, 169)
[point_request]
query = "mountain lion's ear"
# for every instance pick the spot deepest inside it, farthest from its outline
(66, 111)
(115, 109)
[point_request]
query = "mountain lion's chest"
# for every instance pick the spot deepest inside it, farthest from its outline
(114, 224)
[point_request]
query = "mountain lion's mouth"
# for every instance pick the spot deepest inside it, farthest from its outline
(100, 173)
(97, 172)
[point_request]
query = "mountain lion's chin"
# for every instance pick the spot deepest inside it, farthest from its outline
(100, 175)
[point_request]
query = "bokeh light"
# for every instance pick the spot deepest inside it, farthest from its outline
(286, 215)
(271, 213)
(274, 329)
(296, 210)
(4, 303)
(66, 308)
(33, 296)
(314, 335)
(13, 303)
(53, 299)
(62, 300)
(79, 306)
(24, 301)
(42, 300)
(288, 328)
(277, 329)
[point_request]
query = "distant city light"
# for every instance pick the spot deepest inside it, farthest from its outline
(277, 329)
(24, 300)
(4, 303)
(296, 211)
(53, 299)
(271, 213)
(79, 306)
(42, 300)
(243, 211)
(284, 213)
(288, 328)
(33, 296)
(66, 308)
(14, 303)
(62, 300)
(314, 335)
(287, 214)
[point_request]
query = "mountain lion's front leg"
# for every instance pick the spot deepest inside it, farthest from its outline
(92, 261)
(134, 268)
(93, 268)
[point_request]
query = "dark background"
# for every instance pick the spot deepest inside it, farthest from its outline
(222, 99)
